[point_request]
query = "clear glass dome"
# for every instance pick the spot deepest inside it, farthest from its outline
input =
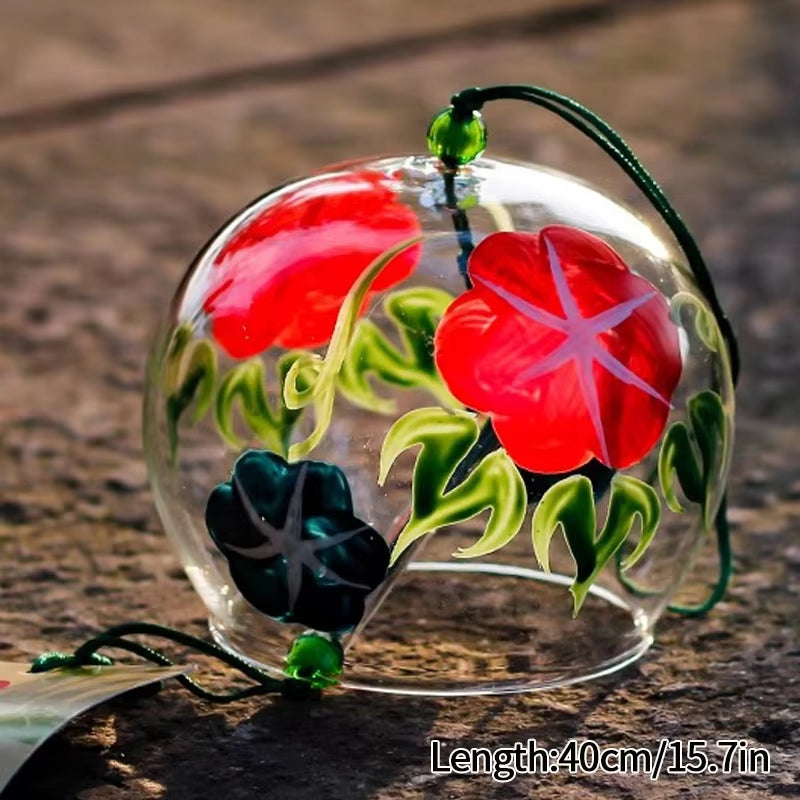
(473, 427)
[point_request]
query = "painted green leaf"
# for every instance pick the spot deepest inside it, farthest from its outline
(693, 454)
(570, 505)
(190, 376)
(415, 313)
(270, 422)
(630, 496)
(311, 379)
(494, 483)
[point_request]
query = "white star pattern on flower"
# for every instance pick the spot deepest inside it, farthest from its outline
(580, 344)
(287, 541)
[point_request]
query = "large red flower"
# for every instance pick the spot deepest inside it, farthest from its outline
(571, 354)
(282, 278)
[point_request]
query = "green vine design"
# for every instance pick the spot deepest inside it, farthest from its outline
(311, 379)
(357, 351)
(368, 352)
(692, 453)
(494, 483)
(190, 375)
(570, 504)
(270, 421)
(415, 313)
(704, 323)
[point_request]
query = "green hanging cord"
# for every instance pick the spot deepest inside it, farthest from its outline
(460, 225)
(311, 665)
(457, 136)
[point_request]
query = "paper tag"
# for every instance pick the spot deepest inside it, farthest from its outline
(34, 706)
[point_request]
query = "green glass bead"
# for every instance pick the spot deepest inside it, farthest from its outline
(315, 659)
(454, 140)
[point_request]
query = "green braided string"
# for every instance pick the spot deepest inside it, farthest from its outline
(87, 655)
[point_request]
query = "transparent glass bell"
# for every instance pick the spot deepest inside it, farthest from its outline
(472, 426)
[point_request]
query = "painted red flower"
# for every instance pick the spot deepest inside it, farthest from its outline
(570, 354)
(283, 277)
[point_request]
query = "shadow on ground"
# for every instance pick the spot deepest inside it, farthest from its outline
(286, 749)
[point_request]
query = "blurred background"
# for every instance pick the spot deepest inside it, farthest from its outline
(130, 131)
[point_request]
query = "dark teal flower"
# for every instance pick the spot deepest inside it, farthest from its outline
(295, 550)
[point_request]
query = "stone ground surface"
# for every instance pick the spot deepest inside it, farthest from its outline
(129, 131)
